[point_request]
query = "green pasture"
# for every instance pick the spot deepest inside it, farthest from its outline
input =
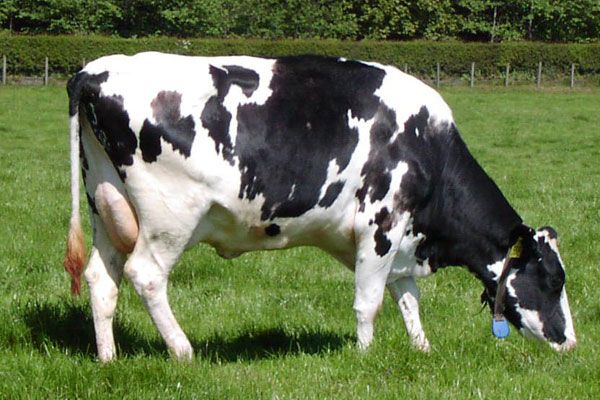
(280, 325)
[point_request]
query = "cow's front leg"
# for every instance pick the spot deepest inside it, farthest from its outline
(150, 278)
(371, 272)
(103, 275)
(406, 294)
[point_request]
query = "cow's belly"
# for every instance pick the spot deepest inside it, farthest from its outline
(235, 229)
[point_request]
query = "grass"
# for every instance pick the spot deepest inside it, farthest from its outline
(279, 325)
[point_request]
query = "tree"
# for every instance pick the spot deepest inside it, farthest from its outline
(472, 20)
(208, 18)
(8, 10)
(62, 16)
(384, 19)
(575, 20)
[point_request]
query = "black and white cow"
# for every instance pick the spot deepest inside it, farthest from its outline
(247, 153)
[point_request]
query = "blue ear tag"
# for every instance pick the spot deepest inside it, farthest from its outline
(500, 328)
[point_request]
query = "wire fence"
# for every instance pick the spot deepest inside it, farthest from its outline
(438, 78)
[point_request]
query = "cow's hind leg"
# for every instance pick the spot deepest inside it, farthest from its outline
(406, 294)
(103, 274)
(148, 268)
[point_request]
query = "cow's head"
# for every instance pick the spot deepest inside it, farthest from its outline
(535, 300)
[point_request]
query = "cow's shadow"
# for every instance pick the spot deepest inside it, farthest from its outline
(70, 327)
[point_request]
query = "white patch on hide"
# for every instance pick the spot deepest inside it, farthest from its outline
(496, 269)
(532, 325)
(333, 171)
(405, 261)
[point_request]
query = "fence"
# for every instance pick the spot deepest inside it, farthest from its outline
(436, 80)
(505, 78)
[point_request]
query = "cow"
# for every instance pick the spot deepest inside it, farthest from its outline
(245, 153)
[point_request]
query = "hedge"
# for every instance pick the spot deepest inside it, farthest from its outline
(26, 54)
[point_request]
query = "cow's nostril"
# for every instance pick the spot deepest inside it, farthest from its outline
(567, 345)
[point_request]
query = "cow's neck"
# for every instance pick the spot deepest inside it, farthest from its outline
(467, 220)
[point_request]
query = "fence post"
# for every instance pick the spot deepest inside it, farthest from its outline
(83, 63)
(472, 74)
(572, 75)
(4, 70)
(507, 73)
(46, 72)
(539, 75)
(406, 68)
(437, 75)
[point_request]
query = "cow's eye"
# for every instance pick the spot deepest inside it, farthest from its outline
(554, 283)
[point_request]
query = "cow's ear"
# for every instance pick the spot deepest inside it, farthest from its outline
(522, 242)
(550, 233)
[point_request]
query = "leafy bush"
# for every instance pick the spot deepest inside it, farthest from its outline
(26, 54)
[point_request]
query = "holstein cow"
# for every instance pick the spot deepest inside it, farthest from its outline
(247, 153)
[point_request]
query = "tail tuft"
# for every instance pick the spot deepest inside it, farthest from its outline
(75, 255)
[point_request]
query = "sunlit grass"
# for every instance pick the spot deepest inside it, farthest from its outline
(280, 324)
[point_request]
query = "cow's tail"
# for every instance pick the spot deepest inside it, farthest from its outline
(75, 254)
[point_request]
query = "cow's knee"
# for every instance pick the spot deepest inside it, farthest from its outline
(367, 301)
(148, 280)
(406, 295)
(103, 290)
